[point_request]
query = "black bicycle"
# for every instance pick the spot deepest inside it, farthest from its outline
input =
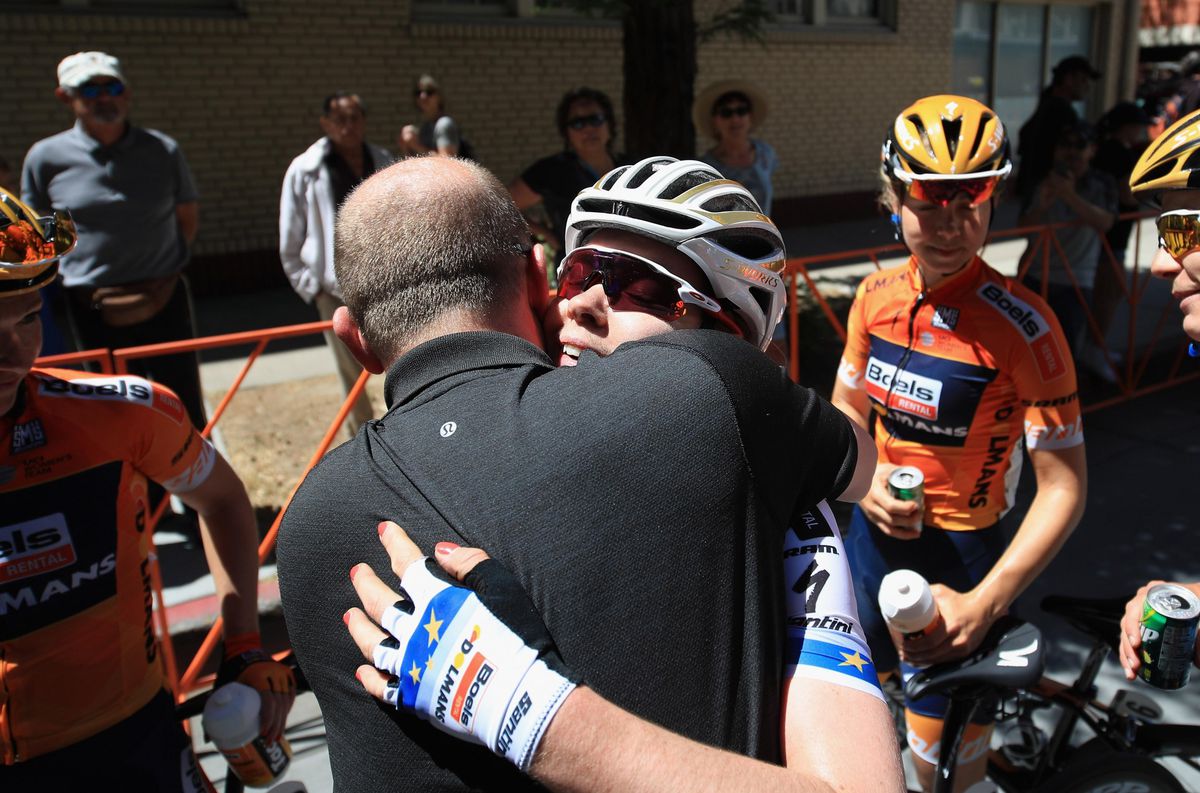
(1006, 676)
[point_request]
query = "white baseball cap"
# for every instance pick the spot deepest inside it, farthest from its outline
(75, 70)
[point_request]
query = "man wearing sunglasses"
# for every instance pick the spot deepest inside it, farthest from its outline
(124, 288)
(641, 498)
(1168, 175)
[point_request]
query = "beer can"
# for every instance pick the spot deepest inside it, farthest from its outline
(1169, 619)
(907, 483)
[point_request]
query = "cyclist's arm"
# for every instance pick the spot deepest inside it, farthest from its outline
(1056, 509)
(590, 743)
(230, 536)
(852, 401)
(1131, 631)
(897, 518)
(835, 720)
(842, 736)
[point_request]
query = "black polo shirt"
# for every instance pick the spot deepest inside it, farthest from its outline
(641, 499)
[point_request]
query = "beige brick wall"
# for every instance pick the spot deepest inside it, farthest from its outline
(242, 95)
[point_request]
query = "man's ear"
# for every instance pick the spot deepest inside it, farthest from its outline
(63, 95)
(351, 335)
(536, 282)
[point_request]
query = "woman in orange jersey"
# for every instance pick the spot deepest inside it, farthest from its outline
(957, 367)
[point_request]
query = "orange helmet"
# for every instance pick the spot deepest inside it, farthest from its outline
(1172, 161)
(30, 246)
(946, 137)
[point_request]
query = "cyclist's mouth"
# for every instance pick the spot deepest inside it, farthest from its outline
(570, 355)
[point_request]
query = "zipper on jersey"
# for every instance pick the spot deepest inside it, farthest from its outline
(908, 351)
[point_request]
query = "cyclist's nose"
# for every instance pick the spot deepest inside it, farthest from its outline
(591, 304)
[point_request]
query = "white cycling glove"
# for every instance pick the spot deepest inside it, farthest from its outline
(457, 665)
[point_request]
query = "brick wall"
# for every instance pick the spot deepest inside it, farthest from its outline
(242, 94)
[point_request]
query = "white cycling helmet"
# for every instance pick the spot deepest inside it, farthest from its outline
(714, 221)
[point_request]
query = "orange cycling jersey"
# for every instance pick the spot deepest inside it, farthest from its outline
(957, 375)
(78, 652)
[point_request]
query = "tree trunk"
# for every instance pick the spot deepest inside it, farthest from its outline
(660, 75)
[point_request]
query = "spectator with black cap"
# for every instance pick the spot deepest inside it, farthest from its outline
(1070, 82)
(1072, 192)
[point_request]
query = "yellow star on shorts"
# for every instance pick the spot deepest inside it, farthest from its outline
(415, 673)
(433, 626)
(856, 660)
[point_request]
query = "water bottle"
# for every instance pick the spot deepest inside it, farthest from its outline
(907, 604)
(231, 723)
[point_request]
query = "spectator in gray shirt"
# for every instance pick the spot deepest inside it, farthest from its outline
(1073, 191)
(134, 202)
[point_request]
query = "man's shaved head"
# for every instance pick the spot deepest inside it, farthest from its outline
(427, 236)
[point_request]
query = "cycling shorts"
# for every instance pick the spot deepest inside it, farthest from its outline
(146, 753)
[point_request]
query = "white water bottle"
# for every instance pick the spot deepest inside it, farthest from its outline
(907, 604)
(231, 723)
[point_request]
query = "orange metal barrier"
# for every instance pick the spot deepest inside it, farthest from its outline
(799, 269)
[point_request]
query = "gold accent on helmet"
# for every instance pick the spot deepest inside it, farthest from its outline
(1172, 161)
(30, 246)
(946, 136)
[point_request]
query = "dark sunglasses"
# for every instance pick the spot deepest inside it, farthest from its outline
(733, 110)
(943, 191)
(1179, 232)
(631, 283)
(94, 90)
(594, 120)
(425, 92)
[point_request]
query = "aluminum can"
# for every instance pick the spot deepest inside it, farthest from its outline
(907, 483)
(1169, 619)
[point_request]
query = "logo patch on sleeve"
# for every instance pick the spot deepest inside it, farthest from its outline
(1033, 327)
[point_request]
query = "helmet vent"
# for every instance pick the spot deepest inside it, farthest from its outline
(731, 203)
(916, 121)
(1157, 172)
(685, 183)
(953, 131)
(1192, 162)
(648, 169)
(746, 244)
(613, 177)
(659, 217)
(983, 122)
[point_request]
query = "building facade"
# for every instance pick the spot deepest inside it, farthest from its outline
(239, 82)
